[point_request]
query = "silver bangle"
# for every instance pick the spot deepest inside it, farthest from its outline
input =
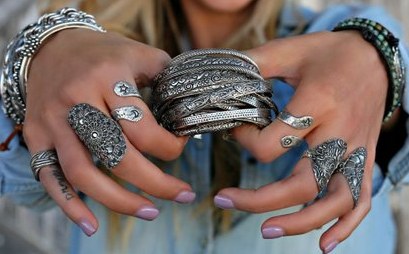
(23, 48)
(210, 90)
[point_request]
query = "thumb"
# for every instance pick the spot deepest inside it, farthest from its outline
(146, 62)
(280, 58)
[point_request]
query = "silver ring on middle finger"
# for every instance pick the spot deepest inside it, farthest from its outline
(325, 159)
(100, 134)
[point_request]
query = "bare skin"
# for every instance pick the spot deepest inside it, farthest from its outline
(337, 83)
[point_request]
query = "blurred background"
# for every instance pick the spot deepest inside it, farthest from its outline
(26, 232)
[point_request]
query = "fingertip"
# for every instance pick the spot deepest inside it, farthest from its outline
(223, 202)
(329, 247)
(87, 227)
(185, 197)
(147, 212)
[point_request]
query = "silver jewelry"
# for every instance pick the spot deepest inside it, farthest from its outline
(353, 170)
(130, 113)
(42, 159)
(100, 134)
(219, 116)
(298, 123)
(290, 141)
(201, 52)
(210, 90)
(24, 46)
(125, 89)
(325, 159)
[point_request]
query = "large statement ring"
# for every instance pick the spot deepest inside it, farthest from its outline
(325, 159)
(353, 170)
(299, 123)
(100, 134)
(41, 159)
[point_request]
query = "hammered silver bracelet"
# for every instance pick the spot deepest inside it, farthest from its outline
(22, 49)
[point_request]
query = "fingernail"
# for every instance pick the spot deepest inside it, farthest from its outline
(87, 227)
(272, 232)
(223, 202)
(185, 197)
(147, 213)
(330, 247)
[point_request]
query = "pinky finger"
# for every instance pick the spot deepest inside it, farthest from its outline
(345, 225)
(63, 194)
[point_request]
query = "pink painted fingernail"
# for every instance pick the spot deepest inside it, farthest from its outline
(330, 247)
(272, 232)
(87, 227)
(185, 197)
(147, 213)
(223, 202)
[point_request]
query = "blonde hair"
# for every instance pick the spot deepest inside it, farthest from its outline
(155, 22)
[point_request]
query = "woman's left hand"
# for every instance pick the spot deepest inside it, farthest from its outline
(340, 81)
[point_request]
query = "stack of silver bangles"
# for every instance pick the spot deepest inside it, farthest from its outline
(209, 90)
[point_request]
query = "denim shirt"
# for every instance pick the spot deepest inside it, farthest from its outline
(171, 232)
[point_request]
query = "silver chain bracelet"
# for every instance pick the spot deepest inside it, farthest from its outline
(22, 49)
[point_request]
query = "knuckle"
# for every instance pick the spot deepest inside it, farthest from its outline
(162, 56)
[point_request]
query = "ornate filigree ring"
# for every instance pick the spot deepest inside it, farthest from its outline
(325, 159)
(100, 134)
(353, 170)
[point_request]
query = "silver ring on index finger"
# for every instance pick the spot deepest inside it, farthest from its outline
(298, 123)
(125, 89)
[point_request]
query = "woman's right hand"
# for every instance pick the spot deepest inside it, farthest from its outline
(81, 66)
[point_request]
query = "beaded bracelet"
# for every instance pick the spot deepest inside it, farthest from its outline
(24, 46)
(387, 46)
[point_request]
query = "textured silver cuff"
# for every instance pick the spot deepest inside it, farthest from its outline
(24, 46)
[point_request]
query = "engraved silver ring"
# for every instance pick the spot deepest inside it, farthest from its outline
(353, 170)
(100, 134)
(325, 159)
(299, 123)
(42, 159)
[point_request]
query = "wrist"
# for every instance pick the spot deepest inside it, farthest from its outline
(25, 46)
(387, 46)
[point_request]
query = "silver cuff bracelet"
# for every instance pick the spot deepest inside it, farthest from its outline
(22, 49)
